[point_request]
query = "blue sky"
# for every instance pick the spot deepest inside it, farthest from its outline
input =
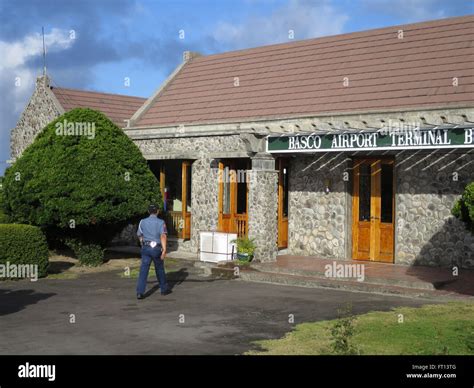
(140, 39)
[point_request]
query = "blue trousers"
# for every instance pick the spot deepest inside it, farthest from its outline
(150, 254)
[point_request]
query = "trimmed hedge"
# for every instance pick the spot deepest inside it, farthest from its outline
(81, 189)
(24, 244)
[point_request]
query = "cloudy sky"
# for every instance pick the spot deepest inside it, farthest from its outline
(96, 44)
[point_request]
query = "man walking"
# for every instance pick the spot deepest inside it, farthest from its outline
(152, 234)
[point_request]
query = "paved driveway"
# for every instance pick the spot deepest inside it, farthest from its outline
(201, 316)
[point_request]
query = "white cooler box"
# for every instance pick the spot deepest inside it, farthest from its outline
(217, 246)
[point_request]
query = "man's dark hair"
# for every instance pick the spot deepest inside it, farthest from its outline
(153, 209)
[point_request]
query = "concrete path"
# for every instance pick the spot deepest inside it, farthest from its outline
(201, 316)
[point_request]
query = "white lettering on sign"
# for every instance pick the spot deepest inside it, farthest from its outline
(416, 138)
(304, 142)
(468, 136)
(353, 140)
(413, 138)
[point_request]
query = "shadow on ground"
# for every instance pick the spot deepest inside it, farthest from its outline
(12, 301)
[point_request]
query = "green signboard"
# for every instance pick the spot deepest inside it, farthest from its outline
(460, 137)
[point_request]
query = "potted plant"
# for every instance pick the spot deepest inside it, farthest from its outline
(245, 248)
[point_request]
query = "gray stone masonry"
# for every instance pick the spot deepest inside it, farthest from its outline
(262, 208)
(428, 184)
(317, 220)
(40, 111)
(204, 200)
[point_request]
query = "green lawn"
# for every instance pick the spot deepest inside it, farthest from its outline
(428, 330)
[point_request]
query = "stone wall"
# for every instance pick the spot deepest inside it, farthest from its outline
(262, 208)
(317, 220)
(428, 184)
(198, 146)
(39, 112)
(204, 199)
(204, 179)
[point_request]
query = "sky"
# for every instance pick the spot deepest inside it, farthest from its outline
(98, 44)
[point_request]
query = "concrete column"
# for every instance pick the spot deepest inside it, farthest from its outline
(263, 207)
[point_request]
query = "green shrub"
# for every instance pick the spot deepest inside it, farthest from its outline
(464, 207)
(23, 244)
(88, 253)
(342, 332)
(4, 219)
(78, 187)
(245, 248)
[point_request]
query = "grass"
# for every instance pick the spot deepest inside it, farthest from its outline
(427, 330)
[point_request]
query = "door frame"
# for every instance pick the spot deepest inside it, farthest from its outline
(186, 168)
(233, 222)
(375, 203)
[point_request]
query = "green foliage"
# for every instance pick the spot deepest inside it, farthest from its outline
(4, 219)
(23, 244)
(464, 207)
(342, 332)
(80, 187)
(245, 245)
(87, 252)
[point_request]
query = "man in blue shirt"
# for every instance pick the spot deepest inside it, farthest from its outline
(152, 234)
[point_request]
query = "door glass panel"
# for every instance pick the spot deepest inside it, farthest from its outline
(241, 198)
(188, 188)
(387, 193)
(285, 192)
(364, 192)
(226, 191)
(241, 180)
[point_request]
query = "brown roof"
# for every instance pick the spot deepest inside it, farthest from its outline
(117, 107)
(306, 77)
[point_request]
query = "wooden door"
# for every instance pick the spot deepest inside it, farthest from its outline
(373, 210)
(283, 174)
(233, 197)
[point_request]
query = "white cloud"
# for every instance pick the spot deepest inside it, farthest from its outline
(305, 18)
(17, 78)
(16, 54)
(419, 10)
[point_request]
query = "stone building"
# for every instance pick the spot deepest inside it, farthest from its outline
(48, 102)
(353, 146)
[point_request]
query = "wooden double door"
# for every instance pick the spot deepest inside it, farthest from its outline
(233, 196)
(373, 210)
(175, 185)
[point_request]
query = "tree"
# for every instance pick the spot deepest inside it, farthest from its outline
(83, 180)
(464, 207)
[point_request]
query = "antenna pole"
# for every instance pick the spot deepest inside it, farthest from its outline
(44, 53)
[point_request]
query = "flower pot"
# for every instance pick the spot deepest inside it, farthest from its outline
(244, 257)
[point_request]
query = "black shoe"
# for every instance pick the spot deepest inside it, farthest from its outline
(167, 292)
(140, 296)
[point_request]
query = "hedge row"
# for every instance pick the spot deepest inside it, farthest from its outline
(23, 244)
